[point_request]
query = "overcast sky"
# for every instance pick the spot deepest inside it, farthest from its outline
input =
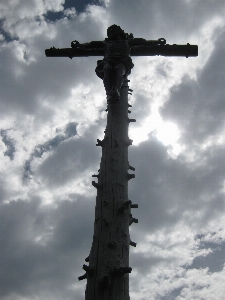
(52, 110)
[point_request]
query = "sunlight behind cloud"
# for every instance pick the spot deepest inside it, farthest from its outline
(166, 132)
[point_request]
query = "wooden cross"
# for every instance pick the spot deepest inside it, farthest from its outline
(117, 50)
(108, 271)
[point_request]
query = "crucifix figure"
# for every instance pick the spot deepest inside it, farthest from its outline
(117, 62)
(108, 271)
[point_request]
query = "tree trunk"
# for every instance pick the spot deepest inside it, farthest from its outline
(107, 273)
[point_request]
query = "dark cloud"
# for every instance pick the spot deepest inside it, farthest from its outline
(48, 146)
(71, 159)
(4, 33)
(150, 174)
(79, 6)
(38, 245)
(143, 264)
(214, 260)
(198, 107)
(10, 144)
(172, 295)
(48, 81)
(166, 189)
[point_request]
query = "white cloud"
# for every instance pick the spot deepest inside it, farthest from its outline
(47, 221)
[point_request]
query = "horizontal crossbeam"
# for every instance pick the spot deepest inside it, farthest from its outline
(73, 52)
(162, 50)
(166, 50)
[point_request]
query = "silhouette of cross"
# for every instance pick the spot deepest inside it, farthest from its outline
(108, 269)
(117, 50)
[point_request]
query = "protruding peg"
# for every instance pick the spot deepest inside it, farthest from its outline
(133, 220)
(87, 259)
(130, 176)
(97, 176)
(126, 80)
(133, 244)
(96, 185)
(88, 270)
(129, 105)
(131, 168)
(134, 205)
(129, 142)
(83, 277)
(122, 270)
(124, 206)
(100, 143)
(129, 111)
(130, 90)
(131, 120)
(129, 93)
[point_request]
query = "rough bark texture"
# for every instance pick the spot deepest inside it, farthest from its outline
(107, 273)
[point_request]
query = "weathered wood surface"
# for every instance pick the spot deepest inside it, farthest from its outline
(108, 274)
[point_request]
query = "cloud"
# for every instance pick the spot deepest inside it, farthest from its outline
(198, 106)
(171, 189)
(48, 146)
(69, 162)
(9, 144)
(52, 111)
(38, 244)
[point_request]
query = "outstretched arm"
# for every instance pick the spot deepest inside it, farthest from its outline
(165, 50)
(142, 42)
(142, 47)
(92, 45)
(95, 48)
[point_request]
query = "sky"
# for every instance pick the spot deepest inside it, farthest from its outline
(52, 111)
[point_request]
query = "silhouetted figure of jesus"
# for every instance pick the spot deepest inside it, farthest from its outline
(117, 63)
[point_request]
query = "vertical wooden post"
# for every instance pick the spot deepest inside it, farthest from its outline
(108, 270)
(107, 273)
